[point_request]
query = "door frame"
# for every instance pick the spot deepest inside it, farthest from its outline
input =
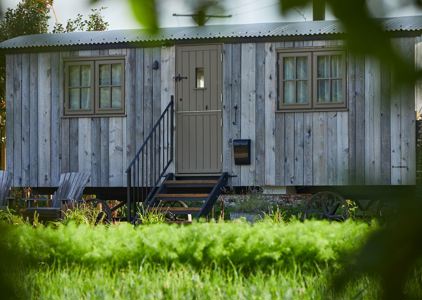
(177, 62)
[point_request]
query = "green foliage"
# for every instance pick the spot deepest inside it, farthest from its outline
(29, 17)
(390, 254)
(276, 216)
(264, 245)
(365, 35)
(94, 22)
(150, 216)
(146, 14)
(83, 213)
(9, 216)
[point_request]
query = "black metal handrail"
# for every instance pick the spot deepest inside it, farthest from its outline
(151, 161)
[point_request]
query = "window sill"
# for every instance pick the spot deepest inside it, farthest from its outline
(95, 116)
(311, 110)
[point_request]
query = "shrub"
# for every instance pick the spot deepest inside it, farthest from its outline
(248, 247)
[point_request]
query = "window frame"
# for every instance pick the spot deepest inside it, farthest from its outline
(315, 55)
(110, 110)
(312, 69)
(283, 105)
(95, 110)
(68, 111)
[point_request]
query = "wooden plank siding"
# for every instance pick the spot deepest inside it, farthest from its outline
(42, 143)
(370, 142)
(353, 146)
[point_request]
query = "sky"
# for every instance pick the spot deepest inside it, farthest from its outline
(119, 15)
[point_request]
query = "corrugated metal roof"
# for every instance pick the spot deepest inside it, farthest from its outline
(283, 29)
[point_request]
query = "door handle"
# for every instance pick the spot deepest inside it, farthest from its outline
(180, 77)
(235, 115)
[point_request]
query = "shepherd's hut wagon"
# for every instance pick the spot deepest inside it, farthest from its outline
(270, 105)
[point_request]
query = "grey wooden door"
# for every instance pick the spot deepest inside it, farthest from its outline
(198, 109)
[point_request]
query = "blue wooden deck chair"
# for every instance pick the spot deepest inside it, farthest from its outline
(5, 184)
(70, 190)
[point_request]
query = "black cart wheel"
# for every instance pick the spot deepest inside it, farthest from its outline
(326, 205)
(105, 214)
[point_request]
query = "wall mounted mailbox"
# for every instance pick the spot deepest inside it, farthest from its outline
(242, 152)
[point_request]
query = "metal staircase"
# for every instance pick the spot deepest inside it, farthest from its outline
(147, 181)
(188, 195)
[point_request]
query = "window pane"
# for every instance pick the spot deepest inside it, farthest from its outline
(85, 75)
(200, 78)
(302, 67)
(337, 90)
(323, 66)
(302, 92)
(74, 76)
(116, 74)
(105, 75)
(289, 68)
(289, 92)
(74, 98)
(116, 97)
(85, 98)
(323, 90)
(336, 66)
(105, 97)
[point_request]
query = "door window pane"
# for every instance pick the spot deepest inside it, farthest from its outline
(200, 78)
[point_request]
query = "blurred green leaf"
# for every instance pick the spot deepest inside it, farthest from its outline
(364, 35)
(146, 14)
(389, 254)
(287, 5)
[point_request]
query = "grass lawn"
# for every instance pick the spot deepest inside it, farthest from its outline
(200, 261)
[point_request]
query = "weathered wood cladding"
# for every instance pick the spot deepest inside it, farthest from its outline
(42, 143)
(371, 143)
